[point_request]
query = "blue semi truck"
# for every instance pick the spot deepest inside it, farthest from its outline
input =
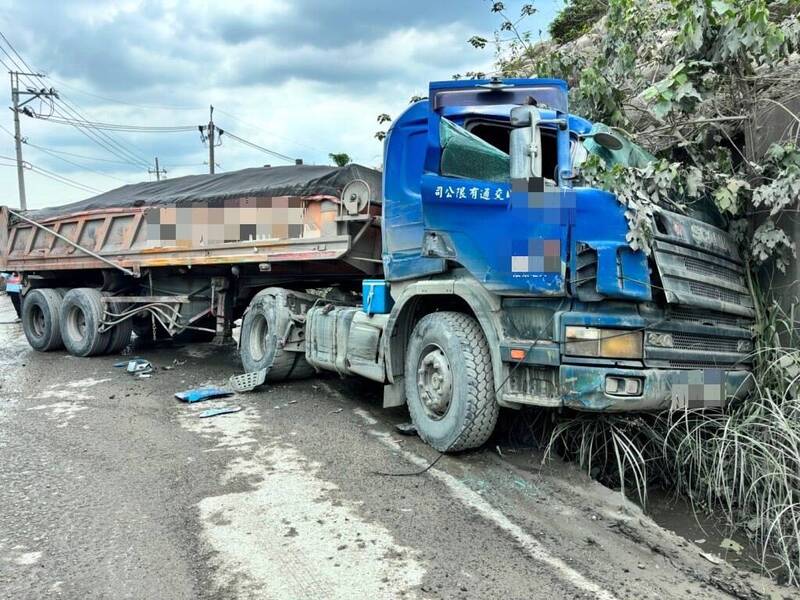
(483, 275)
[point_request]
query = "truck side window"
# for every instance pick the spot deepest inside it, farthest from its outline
(467, 156)
(499, 135)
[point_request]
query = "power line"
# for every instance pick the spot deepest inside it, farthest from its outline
(261, 148)
(83, 156)
(52, 175)
(120, 126)
(123, 102)
(253, 125)
(80, 166)
(99, 137)
(63, 179)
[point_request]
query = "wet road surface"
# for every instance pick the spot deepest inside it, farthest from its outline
(111, 488)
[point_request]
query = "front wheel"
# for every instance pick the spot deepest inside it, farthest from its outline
(449, 382)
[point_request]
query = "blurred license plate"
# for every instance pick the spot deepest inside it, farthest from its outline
(701, 388)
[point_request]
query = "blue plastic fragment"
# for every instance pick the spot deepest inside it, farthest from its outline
(213, 412)
(203, 393)
(124, 363)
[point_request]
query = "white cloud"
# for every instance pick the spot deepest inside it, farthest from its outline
(304, 78)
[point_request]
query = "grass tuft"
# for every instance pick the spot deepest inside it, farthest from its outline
(742, 463)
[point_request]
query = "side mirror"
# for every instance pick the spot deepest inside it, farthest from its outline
(606, 139)
(525, 147)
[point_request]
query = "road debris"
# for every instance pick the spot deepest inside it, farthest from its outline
(712, 558)
(136, 366)
(729, 544)
(406, 428)
(214, 412)
(203, 393)
(247, 382)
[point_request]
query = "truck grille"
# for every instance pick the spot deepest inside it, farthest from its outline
(704, 317)
(691, 277)
(691, 341)
(711, 269)
(685, 364)
(714, 292)
(699, 344)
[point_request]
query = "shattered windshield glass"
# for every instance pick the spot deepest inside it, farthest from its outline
(468, 156)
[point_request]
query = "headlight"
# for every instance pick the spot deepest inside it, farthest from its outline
(603, 343)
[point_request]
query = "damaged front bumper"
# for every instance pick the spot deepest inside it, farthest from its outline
(611, 389)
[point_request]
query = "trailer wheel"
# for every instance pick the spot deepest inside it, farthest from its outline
(81, 313)
(260, 335)
(41, 314)
(449, 382)
(120, 333)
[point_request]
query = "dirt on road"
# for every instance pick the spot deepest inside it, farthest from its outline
(111, 488)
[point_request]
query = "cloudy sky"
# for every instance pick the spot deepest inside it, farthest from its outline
(301, 77)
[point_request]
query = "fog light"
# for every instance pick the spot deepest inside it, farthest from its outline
(623, 386)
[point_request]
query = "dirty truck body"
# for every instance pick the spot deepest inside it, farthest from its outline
(476, 275)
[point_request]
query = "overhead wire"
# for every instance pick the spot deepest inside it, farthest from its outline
(255, 146)
(52, 175)
(248, 124)
(80, 166)
(99, 137)
(123, 127)
(74, 155)
(123, 102)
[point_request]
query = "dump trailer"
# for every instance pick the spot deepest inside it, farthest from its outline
(475, 272)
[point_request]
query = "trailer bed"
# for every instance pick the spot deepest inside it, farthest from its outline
(263, 215)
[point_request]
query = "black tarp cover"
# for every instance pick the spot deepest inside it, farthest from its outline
(293, 180)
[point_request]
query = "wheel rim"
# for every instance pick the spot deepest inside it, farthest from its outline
(435, 382)
(76, 323)
(37, 320)
(258, 338)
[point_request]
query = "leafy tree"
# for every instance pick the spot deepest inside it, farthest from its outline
(340, 159)
(576, 18)
(687, 79)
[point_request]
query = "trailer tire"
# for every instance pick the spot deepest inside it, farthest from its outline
(41, 315)
(258, 344)
(81, 313)
(120, 334)
(449, 382)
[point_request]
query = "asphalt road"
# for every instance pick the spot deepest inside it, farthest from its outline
(111, 488)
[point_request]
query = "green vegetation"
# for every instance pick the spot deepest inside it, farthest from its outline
(686, 79)
(575, 19)
(340, 159)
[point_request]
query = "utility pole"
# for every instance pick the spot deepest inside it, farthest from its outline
(208, 133)
(20, 107)
(211, 140)
(157, 171)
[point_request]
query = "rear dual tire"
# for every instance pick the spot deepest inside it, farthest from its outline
(41, 319)
(81, 315)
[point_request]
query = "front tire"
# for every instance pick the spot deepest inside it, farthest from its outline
(41, 315)
(81, 314)
(449, 382)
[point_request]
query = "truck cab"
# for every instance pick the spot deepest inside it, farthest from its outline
(484, 215)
